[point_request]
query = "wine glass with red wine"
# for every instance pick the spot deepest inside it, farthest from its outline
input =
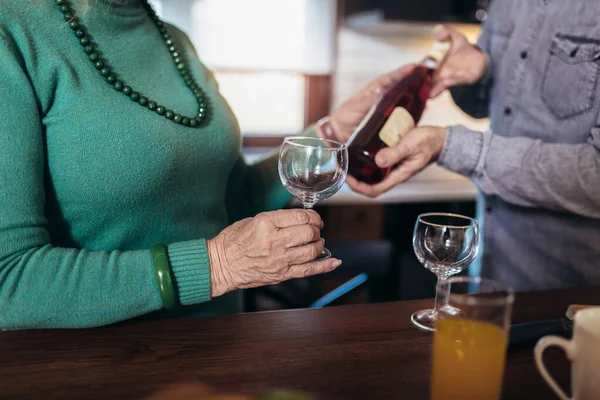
(313, 169)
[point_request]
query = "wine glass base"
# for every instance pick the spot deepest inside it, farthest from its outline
(324, 255)
(424, 320)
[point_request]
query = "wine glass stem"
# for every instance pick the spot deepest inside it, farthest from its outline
(307, 206)
(440, 279)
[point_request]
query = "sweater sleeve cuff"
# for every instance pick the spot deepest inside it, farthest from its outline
(310, 131)
(462, 150)
(191, 270)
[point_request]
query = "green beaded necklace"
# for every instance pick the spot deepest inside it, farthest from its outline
(111, 77)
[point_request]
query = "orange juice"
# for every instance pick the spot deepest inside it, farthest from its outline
(468, 360)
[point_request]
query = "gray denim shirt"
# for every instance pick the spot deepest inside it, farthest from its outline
(539, 165)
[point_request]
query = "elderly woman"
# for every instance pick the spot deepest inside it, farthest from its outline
(121, 171)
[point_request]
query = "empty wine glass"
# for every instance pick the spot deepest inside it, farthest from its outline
(445, 244)
(313, 169)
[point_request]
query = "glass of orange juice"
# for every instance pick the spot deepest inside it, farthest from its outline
(469, 345)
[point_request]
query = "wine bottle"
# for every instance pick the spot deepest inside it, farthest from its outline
(398, 111)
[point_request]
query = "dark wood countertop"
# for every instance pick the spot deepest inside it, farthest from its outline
(351, 352)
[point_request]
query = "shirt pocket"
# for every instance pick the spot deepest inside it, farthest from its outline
(570, 78)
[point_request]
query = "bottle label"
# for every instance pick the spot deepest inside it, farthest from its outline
(397, 125)
(439, 50)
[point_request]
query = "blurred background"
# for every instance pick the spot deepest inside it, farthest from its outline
(284, 64)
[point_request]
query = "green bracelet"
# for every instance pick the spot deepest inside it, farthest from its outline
(162, 269)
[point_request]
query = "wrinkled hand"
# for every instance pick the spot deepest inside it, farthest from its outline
(464, 63)
(266, 250)
(417, 149)
(350, 114)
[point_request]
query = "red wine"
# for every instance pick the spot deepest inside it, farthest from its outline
(398, 111)
(314, 182)
(315, 187)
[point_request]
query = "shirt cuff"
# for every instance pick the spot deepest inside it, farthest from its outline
(487, 76)
(191, 269)
(463, 150)
(486, 80)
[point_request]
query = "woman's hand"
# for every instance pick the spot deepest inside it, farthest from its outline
(464, 63)
(417, 149)
(267, 249)
(349, 115)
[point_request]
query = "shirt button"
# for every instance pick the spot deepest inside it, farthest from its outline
(523, 55)
(507, 111)
(488, 209)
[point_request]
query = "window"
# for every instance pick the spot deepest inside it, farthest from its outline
(267, 103)
(266, 55)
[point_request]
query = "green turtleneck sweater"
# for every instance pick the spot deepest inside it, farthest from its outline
(90, 180)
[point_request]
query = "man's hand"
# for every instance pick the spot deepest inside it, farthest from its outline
(417, 149)
(464, 64)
